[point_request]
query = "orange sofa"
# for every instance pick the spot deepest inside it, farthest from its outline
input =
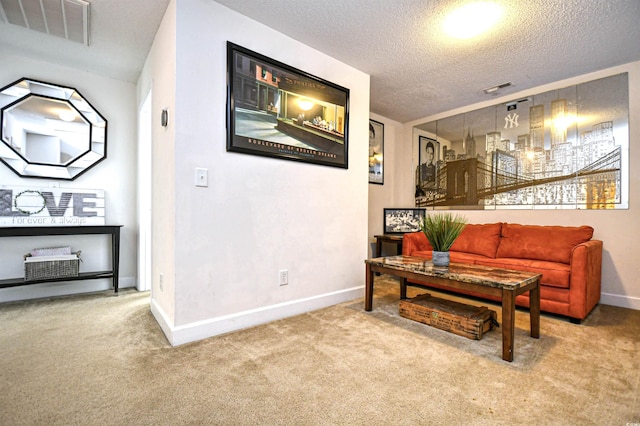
(568, 259)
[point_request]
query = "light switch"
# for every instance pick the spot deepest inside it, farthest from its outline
(202, 177)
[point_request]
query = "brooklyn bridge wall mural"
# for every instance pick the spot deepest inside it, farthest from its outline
(562, 149)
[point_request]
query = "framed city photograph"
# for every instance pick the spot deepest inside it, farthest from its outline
(276, 110)
(400, 221)
(376, 152)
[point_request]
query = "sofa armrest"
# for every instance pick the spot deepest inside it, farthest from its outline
(586, 276)
(413, 242)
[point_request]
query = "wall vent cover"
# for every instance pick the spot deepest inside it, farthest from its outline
(68, 19)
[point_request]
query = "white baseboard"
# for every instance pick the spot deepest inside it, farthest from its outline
(127, 282)
(620, 301)
(162, 319)
(225, 324)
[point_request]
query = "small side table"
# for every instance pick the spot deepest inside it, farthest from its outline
(388, 238)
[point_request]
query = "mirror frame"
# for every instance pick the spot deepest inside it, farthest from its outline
(20, 90)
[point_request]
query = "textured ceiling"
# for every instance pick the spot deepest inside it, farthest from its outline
(415, 70)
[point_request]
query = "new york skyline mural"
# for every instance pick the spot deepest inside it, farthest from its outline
(561, 149)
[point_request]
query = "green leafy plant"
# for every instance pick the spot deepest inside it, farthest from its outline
(442, 229)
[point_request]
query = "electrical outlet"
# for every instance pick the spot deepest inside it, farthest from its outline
(283, 277)
(161, 281)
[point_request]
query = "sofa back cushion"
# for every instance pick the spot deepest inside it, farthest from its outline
(482, 239)
(551, 243)
(414, 243)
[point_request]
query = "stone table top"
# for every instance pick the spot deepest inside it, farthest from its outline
(469, 273)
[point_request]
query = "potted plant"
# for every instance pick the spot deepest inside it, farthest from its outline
(442, 229)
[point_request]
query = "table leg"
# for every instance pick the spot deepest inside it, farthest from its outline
(403, 288)
(534, 310)
(368, 289)
(378, 250)
(115, 257)
(508, 324)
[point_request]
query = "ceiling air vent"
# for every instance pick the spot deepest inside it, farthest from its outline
(493, 89)
(62, 18)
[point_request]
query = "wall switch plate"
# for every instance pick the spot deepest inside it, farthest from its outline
(202, 177)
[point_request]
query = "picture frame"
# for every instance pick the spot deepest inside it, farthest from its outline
(401, 221)
(427, 164)
(376, 152)
(276, 110)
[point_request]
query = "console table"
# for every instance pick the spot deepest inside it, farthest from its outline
(40, 231)
(388, 238)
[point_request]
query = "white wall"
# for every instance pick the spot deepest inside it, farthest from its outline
(116, 175)
(258, 215)
(618, 229)
(159, 77)
(385, 195)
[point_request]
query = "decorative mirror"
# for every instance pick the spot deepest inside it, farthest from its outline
(49, 131)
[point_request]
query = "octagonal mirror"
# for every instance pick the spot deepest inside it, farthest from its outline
(49, 131)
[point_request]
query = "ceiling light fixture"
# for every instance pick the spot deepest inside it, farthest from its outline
(472, 19)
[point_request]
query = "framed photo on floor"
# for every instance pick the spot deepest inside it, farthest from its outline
(376, 152)
(279, 111)
(400, 221)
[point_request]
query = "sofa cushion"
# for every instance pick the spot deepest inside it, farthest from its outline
(427, 254)
(454, 256)
(551, 243)
(554, 274)
(414, 242)
(470, 258)
(480, 239)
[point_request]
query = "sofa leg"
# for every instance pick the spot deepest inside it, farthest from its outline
(575, 320)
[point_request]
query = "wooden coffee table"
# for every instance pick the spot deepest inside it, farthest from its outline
(503, 283)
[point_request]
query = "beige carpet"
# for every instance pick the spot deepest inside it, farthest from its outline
(102, 360)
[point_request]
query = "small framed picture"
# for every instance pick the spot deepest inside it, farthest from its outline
(400, 221)
(428, 156)
(376, 152)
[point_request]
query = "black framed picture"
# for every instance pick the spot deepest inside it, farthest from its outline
(428, 156)
(276, 110)
(400, 221)
(376, 152)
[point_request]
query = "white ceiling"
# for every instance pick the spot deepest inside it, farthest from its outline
(415, 70)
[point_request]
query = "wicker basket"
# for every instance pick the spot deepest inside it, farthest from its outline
(51, 251)
(48, 267)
